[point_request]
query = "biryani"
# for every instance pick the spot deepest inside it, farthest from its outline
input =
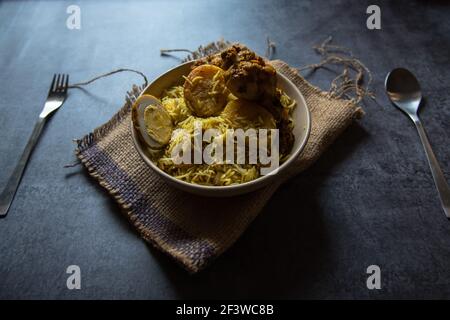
(230, 92)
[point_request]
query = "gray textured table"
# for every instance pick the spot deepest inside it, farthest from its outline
(369, 200)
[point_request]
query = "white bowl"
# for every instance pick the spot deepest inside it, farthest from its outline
(302, 125)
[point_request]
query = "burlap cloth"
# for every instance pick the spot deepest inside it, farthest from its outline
(191, 229)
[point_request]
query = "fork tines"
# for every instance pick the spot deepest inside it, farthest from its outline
(60, 83)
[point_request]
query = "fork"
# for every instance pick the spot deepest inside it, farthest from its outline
(56, 96)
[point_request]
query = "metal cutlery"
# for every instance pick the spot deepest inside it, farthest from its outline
(404, 91)
(56, 96)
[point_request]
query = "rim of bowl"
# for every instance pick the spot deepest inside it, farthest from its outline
(244, 185)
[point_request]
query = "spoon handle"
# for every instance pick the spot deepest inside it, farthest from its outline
(438, 176)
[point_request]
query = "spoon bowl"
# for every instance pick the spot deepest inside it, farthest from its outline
(403, 90)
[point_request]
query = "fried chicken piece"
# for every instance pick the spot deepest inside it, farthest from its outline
(248, 76)
(284, 124)
(286, 137)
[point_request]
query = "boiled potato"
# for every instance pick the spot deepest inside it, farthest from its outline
(205, 92)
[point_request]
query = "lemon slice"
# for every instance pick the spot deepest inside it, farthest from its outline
(152, 121)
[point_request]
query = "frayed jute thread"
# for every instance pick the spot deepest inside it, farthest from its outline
(214, 47)
(349, 84)
(88, 138)
(131, 96)
(202, 51)
(107, 74)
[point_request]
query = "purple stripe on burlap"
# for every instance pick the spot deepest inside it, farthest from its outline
(199, 251)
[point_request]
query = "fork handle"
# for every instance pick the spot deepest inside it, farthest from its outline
(438, 176)
(7, 195)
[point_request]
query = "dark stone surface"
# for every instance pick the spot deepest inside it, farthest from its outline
(369, 200)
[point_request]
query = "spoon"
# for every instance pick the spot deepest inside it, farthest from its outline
(403, 90)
